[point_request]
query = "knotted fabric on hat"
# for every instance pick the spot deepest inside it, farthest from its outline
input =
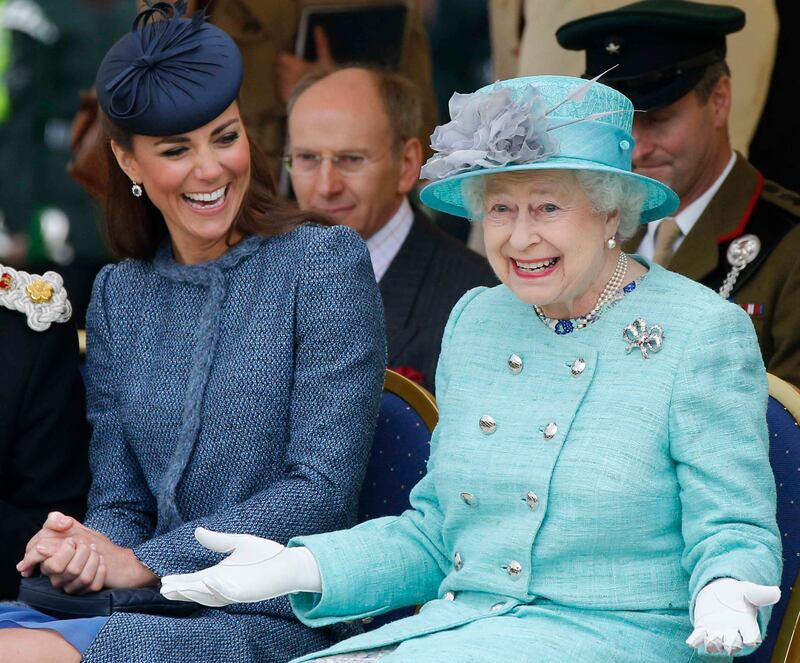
(169, 74)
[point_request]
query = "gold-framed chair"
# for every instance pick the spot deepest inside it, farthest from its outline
(401, 446)
(782, 644)
(406, 419)
(418, 398)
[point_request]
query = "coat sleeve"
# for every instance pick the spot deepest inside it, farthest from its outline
(406, 557)
(339, 363)
(719, 440)
(120, 504)
(45, 452)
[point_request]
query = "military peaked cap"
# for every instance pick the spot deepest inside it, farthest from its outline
(661, 47)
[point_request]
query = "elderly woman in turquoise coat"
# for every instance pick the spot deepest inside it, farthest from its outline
(599, 486)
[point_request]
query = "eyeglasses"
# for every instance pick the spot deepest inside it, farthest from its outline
(307, 163)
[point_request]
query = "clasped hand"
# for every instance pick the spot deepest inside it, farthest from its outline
(255, 570)
(726, 615)
(79, 559)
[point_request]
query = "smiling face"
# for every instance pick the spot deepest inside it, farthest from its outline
(197, 180)
(343, 117)
(546, 242)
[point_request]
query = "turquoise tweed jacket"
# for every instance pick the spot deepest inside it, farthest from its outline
(239, 395)
(581, 526)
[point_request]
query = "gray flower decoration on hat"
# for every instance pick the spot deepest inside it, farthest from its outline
(489, 130)
(492, 129)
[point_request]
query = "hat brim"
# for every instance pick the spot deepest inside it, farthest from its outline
(446, 196)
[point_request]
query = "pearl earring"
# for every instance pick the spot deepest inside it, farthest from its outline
(611, 243)
(136, 190)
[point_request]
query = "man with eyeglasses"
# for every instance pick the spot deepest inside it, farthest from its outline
(354, 155)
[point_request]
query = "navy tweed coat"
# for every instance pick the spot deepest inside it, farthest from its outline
(239, 395)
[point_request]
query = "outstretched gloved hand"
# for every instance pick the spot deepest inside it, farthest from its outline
(726, 615)
(256, 569)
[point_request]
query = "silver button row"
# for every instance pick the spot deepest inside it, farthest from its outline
(531, 499)
(515, 365)
(488, 425)
(513, 568)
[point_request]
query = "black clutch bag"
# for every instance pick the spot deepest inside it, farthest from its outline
(38, 593)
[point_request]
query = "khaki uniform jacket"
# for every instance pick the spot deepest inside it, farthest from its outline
(264, 29)
(769, 287)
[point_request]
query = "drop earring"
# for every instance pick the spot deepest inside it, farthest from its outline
(611, 243)
(136, 190)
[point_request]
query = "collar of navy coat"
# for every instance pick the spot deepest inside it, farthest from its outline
(203, 273)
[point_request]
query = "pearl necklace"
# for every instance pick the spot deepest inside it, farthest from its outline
(609, 292)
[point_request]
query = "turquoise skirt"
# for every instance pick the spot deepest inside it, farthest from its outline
(78, 632)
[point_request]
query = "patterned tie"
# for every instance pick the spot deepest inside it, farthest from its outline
(666, 234)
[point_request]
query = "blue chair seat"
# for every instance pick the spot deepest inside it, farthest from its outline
(400, 451)
(783, 411)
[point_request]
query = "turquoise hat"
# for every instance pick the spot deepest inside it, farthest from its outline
(536, 123)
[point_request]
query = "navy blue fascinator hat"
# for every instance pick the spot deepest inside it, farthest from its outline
(169, 74)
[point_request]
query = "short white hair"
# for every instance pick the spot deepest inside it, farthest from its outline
(607, 192)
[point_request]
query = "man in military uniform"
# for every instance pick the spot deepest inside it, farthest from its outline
(43, 430)
(735, 232)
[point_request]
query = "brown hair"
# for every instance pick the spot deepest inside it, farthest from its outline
(134, 227)
(400, 97)
(711, 76)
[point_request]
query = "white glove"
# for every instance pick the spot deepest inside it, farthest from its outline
(257, 569)
(726, 615)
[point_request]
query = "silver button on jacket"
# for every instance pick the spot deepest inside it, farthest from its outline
(514, 568)
(578, 366)
(487, 424)
(532, 500)
(515, 364)
(550, 430)
(457, 561)
(469, 499)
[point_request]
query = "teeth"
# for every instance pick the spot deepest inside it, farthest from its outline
(206, 197)
(536, 266)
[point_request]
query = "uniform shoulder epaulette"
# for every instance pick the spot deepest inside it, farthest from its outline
(43, 299)
(782, 197)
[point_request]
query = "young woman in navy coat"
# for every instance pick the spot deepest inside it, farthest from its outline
(235, 364)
